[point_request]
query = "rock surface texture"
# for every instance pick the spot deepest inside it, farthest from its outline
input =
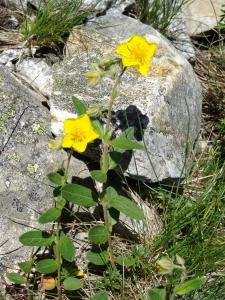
(202, 15)
(25, 160)
(166, 103)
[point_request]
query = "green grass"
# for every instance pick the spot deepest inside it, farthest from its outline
(53, 22)
(159, 13)
(194, 221)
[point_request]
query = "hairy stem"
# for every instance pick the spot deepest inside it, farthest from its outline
(104, 165)
(106, 219)
(58, 259)
(58, 252)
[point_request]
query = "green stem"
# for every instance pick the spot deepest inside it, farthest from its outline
(104, 165)
(106, 219)
(109, 118)
(58, 260)
(58, 251)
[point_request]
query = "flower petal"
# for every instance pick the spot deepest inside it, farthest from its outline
(67, 141)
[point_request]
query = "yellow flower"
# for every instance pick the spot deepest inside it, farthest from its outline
(78, 133)
(137, 52)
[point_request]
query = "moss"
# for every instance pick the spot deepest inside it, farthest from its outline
(39, 128)
(19, 138)
(7, 111)
(14, 156)
(32, 168)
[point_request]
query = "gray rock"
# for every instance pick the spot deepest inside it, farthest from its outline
(25, 160)
(167, 101)
(37, 73)
(202, 15)
(12, 55)
(21, 4)
(108, 5)
(180, 38)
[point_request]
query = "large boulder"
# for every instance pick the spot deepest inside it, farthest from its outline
(167, 102)
(25, 160)
(202, 15)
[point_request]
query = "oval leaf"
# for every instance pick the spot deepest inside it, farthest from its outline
(98, 234)
(98, 127)
(99, 176)
(46, 266)
(127, 207)
(72, 284)
(16, 278)
(189, 286)
(100, 296)
(25, 266)
(36, 238)
(79, 106)
(50, 215)
(98, 258)
(114, 159)
(126, 144)
(157, 294)
(56, 178)
(79, 195)
(126, 261)
(67, 248)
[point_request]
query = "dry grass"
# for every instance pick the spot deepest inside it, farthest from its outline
(210, 68)
(10, 39)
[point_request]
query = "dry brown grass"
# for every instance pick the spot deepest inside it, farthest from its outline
(210, 68)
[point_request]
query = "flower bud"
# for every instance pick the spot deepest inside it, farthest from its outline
(95, 110)
(165, 265)
(93, 77)
(55, 144)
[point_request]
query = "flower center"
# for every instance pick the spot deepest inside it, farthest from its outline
(78, 136)
(139, 54)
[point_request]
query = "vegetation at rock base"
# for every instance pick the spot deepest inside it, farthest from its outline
(160, 14)
(185, 258)
(53, 22)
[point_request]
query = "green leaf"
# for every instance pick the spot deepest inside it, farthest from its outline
(98, 128)
(36, 238)
(110, 194)
(126, 261)
(50, 215)
(56, 178)
(79, 105)
(126, 144)
(79, 194)
(46, 266)
(67, 247)
(114, 159)
(157, 294)
(60, 202)
(113, 217)
(99, 176)
(127, 207)
(98, 258)
(98, 234)
(72, 284)
(100, 296)
(189, 286)
(25, 266)
(16, 278)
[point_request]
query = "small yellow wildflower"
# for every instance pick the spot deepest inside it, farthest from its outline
(78, 133)
(137, 52)
(79, 273)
